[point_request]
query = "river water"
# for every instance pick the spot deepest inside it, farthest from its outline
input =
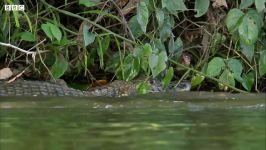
(189, 121)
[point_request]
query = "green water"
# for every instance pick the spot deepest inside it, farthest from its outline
(153, 122)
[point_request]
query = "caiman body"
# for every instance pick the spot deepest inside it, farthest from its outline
(43, 88)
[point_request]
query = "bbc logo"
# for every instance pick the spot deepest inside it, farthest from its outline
(14, 7)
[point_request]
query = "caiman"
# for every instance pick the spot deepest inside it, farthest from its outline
(114, 89)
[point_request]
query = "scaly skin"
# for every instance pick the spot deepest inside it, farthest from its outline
(42, 88)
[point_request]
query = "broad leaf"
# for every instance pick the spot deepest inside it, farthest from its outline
(227, 77)
(157, 44)
(236, 67)
(88, 37)
(56, 32)
(196, 80)
(258, 17)
(157, 63)
(135, 27)
(131, 67)
(143, 15)
(175, 46)
(247, 50)
(246, 3)
(217, 41)
(143, 88)
(46, 28)
(215, 67)
(59, 67)
(248, 30)
(168, 77)
(260, 5)
(159, 17)
(166, 29)
(201, 6)
(232, 19)
(173, 5)
(248, 81)
(262, 63)
(147, 50)
(27, 36)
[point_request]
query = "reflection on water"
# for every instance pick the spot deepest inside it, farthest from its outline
(131, 123)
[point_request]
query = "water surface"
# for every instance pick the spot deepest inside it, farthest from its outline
(189, 121)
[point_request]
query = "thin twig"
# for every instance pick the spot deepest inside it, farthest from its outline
(124, 21)
(37, 44)
(17, 48)
(27, 52)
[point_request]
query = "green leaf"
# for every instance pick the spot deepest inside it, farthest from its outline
(196, 80)
(46, 28)
(175, 46)
(247, 50)
(215, 66)
(227, 77)
(246, 3)
(131, 67)
(59, 67)
(143, 88)
(232, 19)
(52, 31)
(236, 68)
(135, 27)
(158, 44)
(103, 46)
(147, 50)
(88, 37)
(257, 17)
(260, 5)
(216, 42)
(248, 81)
(173, 5)
(166, 29)
(27, 36)
(159, 17)
(89, 3)
(262, 63)
(248, 30)
(55, 31)
(201, 6)
(168, 77)
(157, 63)
(143, 15)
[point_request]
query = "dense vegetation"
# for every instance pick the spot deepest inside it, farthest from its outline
(217, 45)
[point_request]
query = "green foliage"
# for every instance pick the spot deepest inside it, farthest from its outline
(175, 5)
(88, 37)
(98, 38)
(59, 67)
(143, 88)
(233, 19)
(262, 63)
(248, 80)
(143, 15)
(27, 36)
(215, 67)
(168, 77)
(201, 6)
(52, 31)
(260, 5)
(89, 3)
(197, 80)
